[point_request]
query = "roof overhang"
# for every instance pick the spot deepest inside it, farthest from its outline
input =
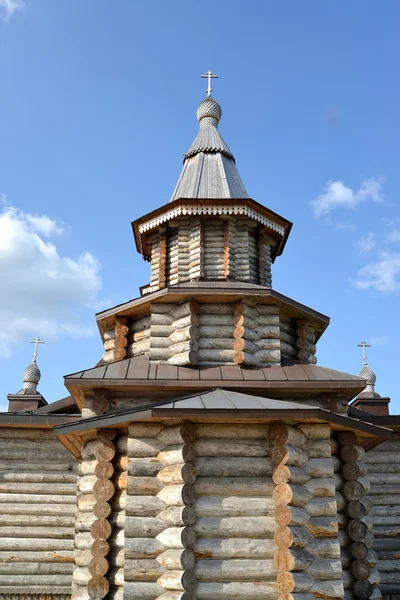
(227, 406)
(277, 226)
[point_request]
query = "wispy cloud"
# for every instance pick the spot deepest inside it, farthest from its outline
(366, 244)
(9, 7)
(382, 275)
(378, 340)
(338, 195)
(393, 233)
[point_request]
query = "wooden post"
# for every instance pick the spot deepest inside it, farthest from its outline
(359, 539)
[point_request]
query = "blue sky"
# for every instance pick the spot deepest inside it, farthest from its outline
(97, 106)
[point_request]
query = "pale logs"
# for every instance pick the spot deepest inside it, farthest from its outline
(362, 578)
(305, 513)
(159, 536)
(235, 525)
(37, 514)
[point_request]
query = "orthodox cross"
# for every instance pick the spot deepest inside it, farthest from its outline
(364, 345)
(209, 75)
(36, 341)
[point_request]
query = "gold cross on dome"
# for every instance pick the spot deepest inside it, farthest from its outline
(209, 75)
(36, 341)
(364, 345)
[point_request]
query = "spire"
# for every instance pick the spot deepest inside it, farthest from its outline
(209, 169)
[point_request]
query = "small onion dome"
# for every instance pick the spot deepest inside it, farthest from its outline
(209, 112)
(31, 379)
(369, 376)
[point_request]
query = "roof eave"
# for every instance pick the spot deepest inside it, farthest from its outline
(226, 201)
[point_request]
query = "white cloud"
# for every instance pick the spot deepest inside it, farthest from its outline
(42, 292)
(366, 244)
(10, 7)
(43, 225)
(382, 275)
(338, 195)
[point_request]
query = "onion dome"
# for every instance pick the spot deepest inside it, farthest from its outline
(209, 112)
(31, 378)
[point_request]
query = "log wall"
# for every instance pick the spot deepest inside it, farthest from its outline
(235, 525)
(100, 522)
(243, 333)
(308, 553)
(37, 515)
(213, 248)
(158, 530)
(383, 464)
(360, 575)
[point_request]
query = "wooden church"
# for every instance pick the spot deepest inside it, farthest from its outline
(206, 455)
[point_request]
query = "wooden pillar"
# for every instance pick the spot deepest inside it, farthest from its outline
(305, 511)
(174, 333)
(305, 342)
(158, 529)
(365, 577)
(256, 334)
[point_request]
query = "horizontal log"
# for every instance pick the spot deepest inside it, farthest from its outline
(177, 537)
(177, 580)
(292, 537)
(232, 431)
(324, 548)
(38, 532)
(235, 486)
(24, 508)
(257, 527)
(232, 506)
(177, 474)
(177, 495)
(7, 487)
(144, 486)
(142, 590)
(291, 515)
(321, 487)
(322, 507)
(144, 447)
(32, 477)
(177, 559)
(320, 448)
(290, 474)
(177, 454)
(142, 569)
(288, 455)
(294, 582)
(41, 559)
(238, 589)
(37, 520)
(291, 494)
(232, 448)
(322, 527)
(144, 467)
(143, 548)
(40, 581)
(178, 516)
(147, 527)
(238, 466)
(235, 570)
(217, 548)
(144, 506)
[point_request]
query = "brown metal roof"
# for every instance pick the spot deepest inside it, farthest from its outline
(140, 368)
(227, 405)
(139, 373)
